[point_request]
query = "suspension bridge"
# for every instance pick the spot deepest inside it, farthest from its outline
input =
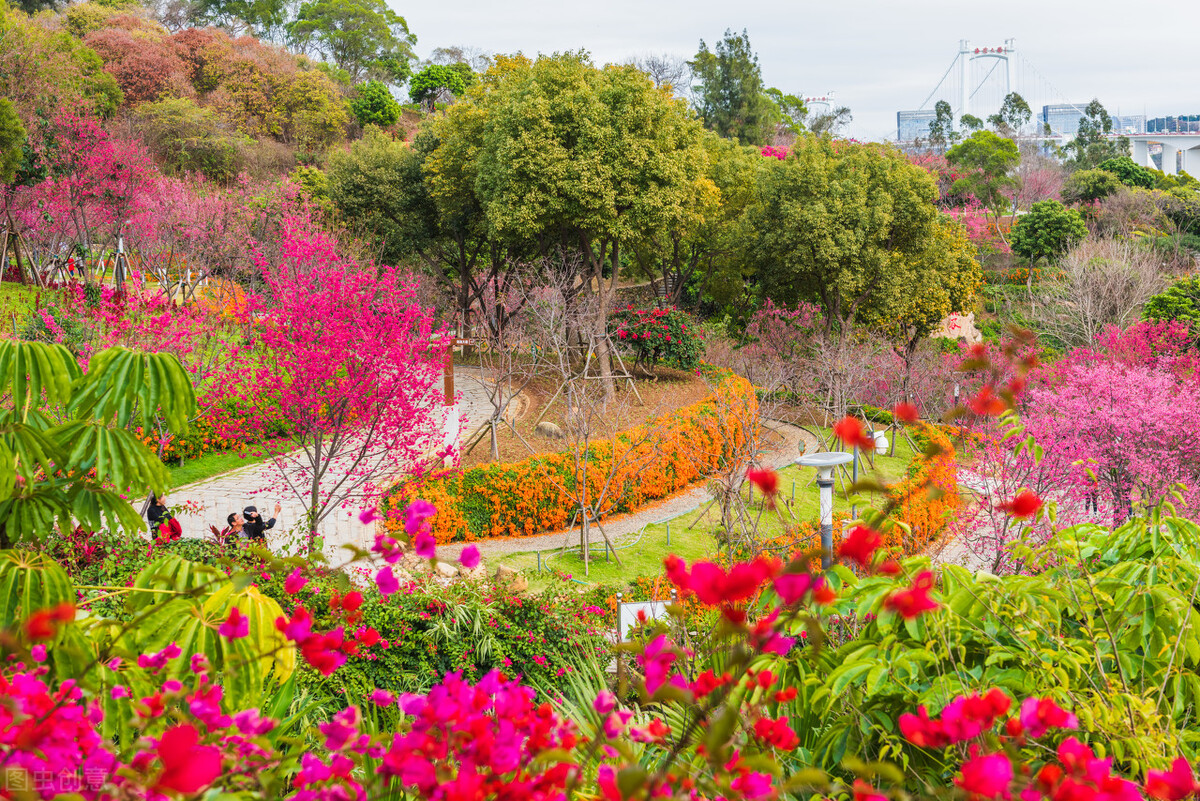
(979, 78)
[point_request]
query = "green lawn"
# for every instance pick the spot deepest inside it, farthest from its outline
(692, 535)
(209, 465)
(16, 303)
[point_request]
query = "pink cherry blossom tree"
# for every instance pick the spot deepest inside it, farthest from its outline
(353, 364)
(96, 185)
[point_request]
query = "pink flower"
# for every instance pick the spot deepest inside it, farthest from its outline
(294, 582)
(120, 691)
(604, 702)
(1038, 715)
(656, 663)
(1175, 784)
(416, 514)
(986, 776)
(368, 516)
(251, 723)
(382, 698)
(425, 545)
(469, 558)
(341, 729)
(793, 586)
(38, 652)
(235, 626)
(385, 579)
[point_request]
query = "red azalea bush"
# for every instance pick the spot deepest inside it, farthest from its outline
(669, 337)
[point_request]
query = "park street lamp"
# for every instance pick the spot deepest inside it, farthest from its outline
(825, 464)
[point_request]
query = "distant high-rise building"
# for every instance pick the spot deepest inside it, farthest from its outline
(1184, 123)
(1063, 118)
(912, 125)
(1129, 123)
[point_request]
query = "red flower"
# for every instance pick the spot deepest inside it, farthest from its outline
(860, 545)
(187, 766)
(352, 601)
(1024, 505)
(41, 624)
(865, 792)
(986, 776)
(1172, 785)
(987, 403)
(767, 481)
(913, 601)
(905, 412)
(850, 431)
(776, 733)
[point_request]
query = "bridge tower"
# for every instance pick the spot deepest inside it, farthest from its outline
(967, 54)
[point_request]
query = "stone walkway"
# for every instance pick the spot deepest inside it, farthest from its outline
(795, 441)
(230, 492)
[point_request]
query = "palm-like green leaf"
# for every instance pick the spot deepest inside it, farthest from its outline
(121, 383)
(118, 457)
(31, 370)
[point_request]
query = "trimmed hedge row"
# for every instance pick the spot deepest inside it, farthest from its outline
(535, 495)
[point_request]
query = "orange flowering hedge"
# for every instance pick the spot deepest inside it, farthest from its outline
(927, 499)
(535, 495)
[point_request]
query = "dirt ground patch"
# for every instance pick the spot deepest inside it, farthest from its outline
(667, 391)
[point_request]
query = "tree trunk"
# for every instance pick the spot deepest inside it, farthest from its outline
(604, 298)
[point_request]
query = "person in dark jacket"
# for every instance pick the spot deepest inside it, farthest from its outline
(163, 524)
(254, 527)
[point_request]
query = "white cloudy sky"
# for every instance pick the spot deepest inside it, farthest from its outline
(878, 56)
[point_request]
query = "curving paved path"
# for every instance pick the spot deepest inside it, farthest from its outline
(216, 497)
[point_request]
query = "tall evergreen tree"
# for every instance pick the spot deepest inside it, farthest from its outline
(729, 92)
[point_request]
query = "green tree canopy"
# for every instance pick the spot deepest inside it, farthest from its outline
(1014, 114)
(12, 140)
(363, 37)
(375, 105)
(847, 226)
(1093, 142)
(985, 161)
(730, 96)
(378, 183)
(1047, 231)
(970, 122)
(1087, 186)
(437, 80)
(1128, 172)
(941, 128)
(569, 159)
(257, 17)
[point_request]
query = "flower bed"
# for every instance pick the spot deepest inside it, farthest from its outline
(535, 495)
(927, 498)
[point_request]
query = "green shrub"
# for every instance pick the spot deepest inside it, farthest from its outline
(188, 138)
(1047, 231)
(1088, 186)
(1180, 301)
(375, 105)
(668, 337)
(1128, 172)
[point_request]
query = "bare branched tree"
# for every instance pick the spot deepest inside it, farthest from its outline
(505, 344)
(1101, 282)
(556, 313)
(667, 71)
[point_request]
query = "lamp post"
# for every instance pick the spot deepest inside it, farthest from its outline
(825, 464)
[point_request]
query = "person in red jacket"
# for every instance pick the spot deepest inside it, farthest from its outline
(162, 520)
